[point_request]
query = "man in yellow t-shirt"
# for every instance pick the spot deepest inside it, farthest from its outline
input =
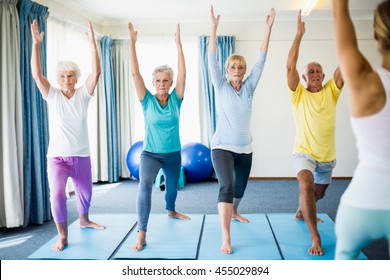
(314, 154)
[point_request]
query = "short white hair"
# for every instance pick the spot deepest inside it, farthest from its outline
(68, 66)
(163, 69)
(311, 63)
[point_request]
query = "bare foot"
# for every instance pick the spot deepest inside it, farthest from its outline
(91, 224)
(60, 244)
(226, 248)
(139, 245)
(239, 218)
(177, 215)
(316, 249)
(299, 217)
(141, 242)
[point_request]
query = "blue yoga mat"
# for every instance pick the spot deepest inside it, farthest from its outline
(250, 241)
(90, 244)
(166, 239)
(294, 239)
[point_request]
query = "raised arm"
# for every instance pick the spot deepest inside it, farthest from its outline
(353, 64)
(181, 65)
(338, 77)
(93, 77)
(213, 33)
(357, 72)
(268, 28)
(292, 72)
(138, 80)
(41, 81)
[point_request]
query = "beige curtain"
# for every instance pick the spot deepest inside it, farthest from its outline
(123, 84)
(11, 131)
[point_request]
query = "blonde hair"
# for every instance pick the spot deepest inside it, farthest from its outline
(382, 24)
(234, 59)
(68, 66)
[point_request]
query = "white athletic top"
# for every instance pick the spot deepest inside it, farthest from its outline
(370, 186)
(68, 130)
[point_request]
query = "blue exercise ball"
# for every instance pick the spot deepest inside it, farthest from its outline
(196, 162)
(133, 158)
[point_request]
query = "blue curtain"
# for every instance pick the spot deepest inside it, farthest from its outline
(111, 110)
(35, 121)
(225, 47)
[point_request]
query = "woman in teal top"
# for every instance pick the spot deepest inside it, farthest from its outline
(162, 142)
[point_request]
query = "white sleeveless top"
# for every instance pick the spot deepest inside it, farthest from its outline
(370, 186)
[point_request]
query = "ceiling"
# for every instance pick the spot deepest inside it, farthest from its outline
(166, 11)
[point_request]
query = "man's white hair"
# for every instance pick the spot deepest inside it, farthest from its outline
(304, 69)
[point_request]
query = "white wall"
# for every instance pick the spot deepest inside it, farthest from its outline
(273, 129)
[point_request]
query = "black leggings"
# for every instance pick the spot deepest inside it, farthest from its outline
(232, 171)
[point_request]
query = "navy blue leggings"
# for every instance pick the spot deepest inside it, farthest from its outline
(232, 171)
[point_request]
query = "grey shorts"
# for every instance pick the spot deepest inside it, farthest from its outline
(322, 171)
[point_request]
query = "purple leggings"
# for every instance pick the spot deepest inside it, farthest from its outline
(59, 169)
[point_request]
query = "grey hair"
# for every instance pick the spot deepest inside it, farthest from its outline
(304, 69)
(68, 66)
(163, 69)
